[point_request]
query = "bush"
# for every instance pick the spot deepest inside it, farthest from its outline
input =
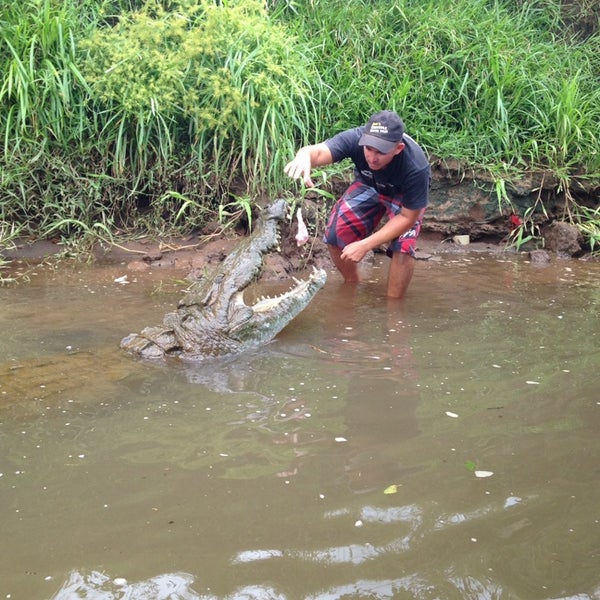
(220, 79)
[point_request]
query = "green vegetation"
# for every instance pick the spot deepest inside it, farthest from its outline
(163, 114)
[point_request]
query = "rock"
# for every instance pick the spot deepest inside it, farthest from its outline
(138, 265)
(539, 257)
(152, 256)
(563, 238)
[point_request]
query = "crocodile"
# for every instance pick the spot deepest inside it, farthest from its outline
(213, 320)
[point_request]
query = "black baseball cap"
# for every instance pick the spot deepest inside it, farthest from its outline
(383, 131)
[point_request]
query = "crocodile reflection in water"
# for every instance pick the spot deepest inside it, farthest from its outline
(213, 320)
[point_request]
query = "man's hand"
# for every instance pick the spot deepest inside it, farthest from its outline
(308, 158)
(355, 251)
(300, 167)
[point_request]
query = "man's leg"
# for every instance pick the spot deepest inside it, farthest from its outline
(347, 268)
(402, 253)
(401, 271)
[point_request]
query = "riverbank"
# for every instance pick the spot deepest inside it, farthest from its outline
(463, 206)
(193, 254)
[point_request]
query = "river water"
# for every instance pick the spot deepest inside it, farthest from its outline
(445, 446)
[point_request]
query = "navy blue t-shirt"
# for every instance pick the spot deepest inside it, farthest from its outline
(408, 176)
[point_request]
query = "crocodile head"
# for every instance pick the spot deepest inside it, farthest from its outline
(213, 319)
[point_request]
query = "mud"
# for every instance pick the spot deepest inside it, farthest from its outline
(195, 253)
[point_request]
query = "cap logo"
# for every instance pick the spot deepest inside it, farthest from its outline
(378, 128)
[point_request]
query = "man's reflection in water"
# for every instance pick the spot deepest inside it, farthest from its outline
(353, 356)
(367, 334)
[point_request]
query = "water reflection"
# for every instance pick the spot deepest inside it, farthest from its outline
(98, 586)
(263, 475)
(176, 586)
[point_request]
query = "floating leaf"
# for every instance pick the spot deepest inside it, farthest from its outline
(391, 489)
(470, 465)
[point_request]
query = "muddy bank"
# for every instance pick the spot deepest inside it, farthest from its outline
(462, 203)
(194, 254)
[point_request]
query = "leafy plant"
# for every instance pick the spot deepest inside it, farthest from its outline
(587, 221)
(526, 231)
(232, 211)
(8, 235)
(220, 78)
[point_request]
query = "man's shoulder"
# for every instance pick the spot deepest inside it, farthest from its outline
(417, 159)
(344, 144)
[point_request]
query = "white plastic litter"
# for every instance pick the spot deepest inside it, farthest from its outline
(302, 235)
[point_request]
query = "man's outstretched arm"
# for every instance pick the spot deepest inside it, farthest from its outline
(306, 159)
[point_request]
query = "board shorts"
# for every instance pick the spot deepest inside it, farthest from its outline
(357, 214)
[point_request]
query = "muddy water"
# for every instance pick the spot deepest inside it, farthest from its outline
(474, 404)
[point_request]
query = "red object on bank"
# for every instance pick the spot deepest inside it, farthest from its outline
(515, 221)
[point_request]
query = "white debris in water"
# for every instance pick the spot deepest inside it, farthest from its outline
(341, 439)
(122, 280)
(496, 366)
(358, 523)
(120, 581)
(482, 474)
(451, 414)
(253, 555)
(532, 382)
(512, 501)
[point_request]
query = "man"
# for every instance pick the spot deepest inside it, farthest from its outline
(392, 178)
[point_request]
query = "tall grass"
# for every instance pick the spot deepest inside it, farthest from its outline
(481, 81)
(41, 80)
(500, 86)
(116, 113)
(218, 80)
(109, 107)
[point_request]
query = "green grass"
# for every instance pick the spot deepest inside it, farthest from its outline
(473, 80)
(117, 114)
